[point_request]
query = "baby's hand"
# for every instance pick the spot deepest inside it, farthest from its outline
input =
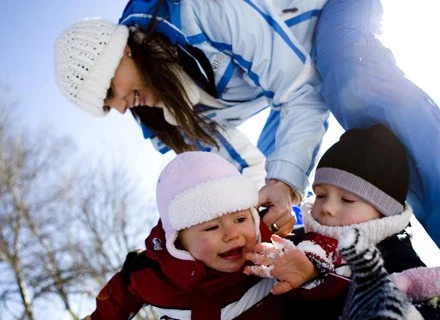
(264, 254)
(259, 271)
(282, 244)
(281, 260)
(292, 270)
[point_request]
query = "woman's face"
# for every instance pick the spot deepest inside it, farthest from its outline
(334, 206)
(127, 88)
(221, 243)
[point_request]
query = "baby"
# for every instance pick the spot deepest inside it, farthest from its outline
(193, 264)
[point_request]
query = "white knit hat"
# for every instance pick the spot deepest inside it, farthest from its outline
(87, 55)
(196, 187)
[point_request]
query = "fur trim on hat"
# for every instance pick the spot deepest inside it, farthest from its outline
(377, 229)
(185, 255)
(210, 200)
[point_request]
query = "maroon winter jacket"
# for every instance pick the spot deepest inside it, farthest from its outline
(156, 278)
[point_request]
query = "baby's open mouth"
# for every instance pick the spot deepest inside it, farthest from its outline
(233, 253)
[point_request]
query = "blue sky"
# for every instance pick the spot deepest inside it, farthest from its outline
(28, 30)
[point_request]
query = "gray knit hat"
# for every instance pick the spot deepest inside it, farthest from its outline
(370, 163)
(87, 55)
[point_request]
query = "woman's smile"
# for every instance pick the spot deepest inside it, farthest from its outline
(138, 100)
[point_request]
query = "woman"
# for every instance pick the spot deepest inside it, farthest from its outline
(192, 78)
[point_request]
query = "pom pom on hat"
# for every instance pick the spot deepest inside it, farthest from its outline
(196, 187)
(370, 163)
(87, 55)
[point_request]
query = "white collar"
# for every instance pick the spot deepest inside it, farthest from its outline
(377, 229)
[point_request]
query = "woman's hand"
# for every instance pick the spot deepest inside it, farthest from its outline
(283, 261)
(278, 197)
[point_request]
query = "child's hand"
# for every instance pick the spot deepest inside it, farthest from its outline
(264, 254)
(281, 260)
(292, 270)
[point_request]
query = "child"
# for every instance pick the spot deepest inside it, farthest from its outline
(360, 181)
(194, 257)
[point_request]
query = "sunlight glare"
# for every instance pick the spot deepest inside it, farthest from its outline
(410, 30)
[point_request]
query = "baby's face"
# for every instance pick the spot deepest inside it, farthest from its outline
(222, 243)
(336, 207)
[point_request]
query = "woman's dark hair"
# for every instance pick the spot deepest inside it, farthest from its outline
(158, 63)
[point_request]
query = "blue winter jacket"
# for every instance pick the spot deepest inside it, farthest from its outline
(260, 55)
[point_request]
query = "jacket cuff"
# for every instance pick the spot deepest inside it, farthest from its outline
(289, 174)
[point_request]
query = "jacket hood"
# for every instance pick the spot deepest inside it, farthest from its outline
(140, 13)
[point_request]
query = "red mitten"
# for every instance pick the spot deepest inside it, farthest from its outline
(321, 250)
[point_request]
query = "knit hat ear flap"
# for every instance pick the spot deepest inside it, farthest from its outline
(87, 55)
(370, 163)
(196, 187)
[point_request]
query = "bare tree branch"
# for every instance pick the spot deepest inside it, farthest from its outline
(66, 224)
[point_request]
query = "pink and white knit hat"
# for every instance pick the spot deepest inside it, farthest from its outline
(196, 187)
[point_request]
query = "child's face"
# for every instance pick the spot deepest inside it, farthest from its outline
(222, 243)
(336, 207)
(127, 88)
